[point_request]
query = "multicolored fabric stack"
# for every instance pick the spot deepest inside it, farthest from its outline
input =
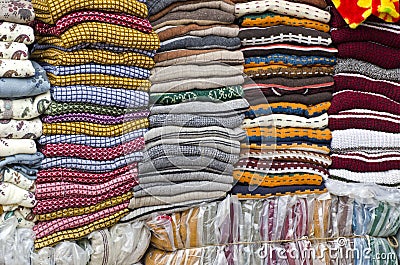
(24, 95)
(197, 107)
(286, 45)
(365, 111)
(98, 57)
(306, 229)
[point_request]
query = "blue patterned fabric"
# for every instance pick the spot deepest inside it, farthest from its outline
(292, 60)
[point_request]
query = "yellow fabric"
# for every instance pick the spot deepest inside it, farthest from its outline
(97, 32)
(291, 146)
(77, 233)
(324, 134)
(271, 180)
(85, 56)
(69, 212)
(99, 80)
(311, 110)
(49, 11)
(93, 129)
(259, 196)
(288, 71)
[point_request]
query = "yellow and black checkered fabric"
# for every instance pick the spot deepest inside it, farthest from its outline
(94, 129)
(99, 80)
(85, 56)
(95, 32)
(49, 11)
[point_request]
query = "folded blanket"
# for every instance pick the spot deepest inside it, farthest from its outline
(312, 149)
(248, 192)
(197, 83)
(170, 32)
(385, 178)
(289, 49)
(21, 129)
(202, 16)
(50, 12)
(13, 195)
(362, 83)
(20, 11)
(12, 32)
(283, 34)
(269, 19)
(367, 69)
(32, 160)
(28, 172)
(75, 176)
(11, 87)
(178, 57)
(216, 95)
(24, 109)
(99, 80)
(96, 166)
(72, 19)
(294, 84)
(10, 147)
(177, 132)
(92, 141)
(94, 129)
(185, 72)
(13, 50)
(361, 139)
(183, 163)
(188, 151)
(46, 229)
(228, 146)
(288, 60)
(151, 178)
(16, 68)
(196, 43)
(349, 99)
(289, 155)
(95, 32)
(57, 57)
(123, 98)
(88, 152)
(77, 233)
(189, 120)
(256, 90)
(284, 120)
(228, 108)
(263, 72)
(9, 175)
(303, 110)
(174, 6)
(361, 161)
(115, 70)
(312, 99)
(283, 7)
(95, 118)
(182, 188)
(57, 108)
(256, 135)
(365, 119)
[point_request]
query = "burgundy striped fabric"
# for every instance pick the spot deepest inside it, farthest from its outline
(364, 162)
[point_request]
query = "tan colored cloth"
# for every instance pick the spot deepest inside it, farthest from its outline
(222, 56)
(170, 55)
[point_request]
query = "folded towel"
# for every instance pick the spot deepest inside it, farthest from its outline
(20, 11)
(21, 129)
(13, 50)
(16, 68)
(13, 32)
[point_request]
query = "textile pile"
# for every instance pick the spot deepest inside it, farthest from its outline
(98, 57)
(288, 55)
(24, 95)
(197, 107)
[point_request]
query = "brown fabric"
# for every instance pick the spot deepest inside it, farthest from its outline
(192, 5)
(312, 99)
(287, 71)
(181, 257)
(188, 227)
(161, 232)
(201, 17)
(170, 55)
(317, 3)
(195, 30)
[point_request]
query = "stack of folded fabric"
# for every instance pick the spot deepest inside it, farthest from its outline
(197, 107)
(98, 57)
(24, 95)
(365, 111)
(286, 45)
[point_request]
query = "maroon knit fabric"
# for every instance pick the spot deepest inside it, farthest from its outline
(348, 100)
(363, 33)
(383, 56)
(358, 83)
(367, 123)
(358, 165)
